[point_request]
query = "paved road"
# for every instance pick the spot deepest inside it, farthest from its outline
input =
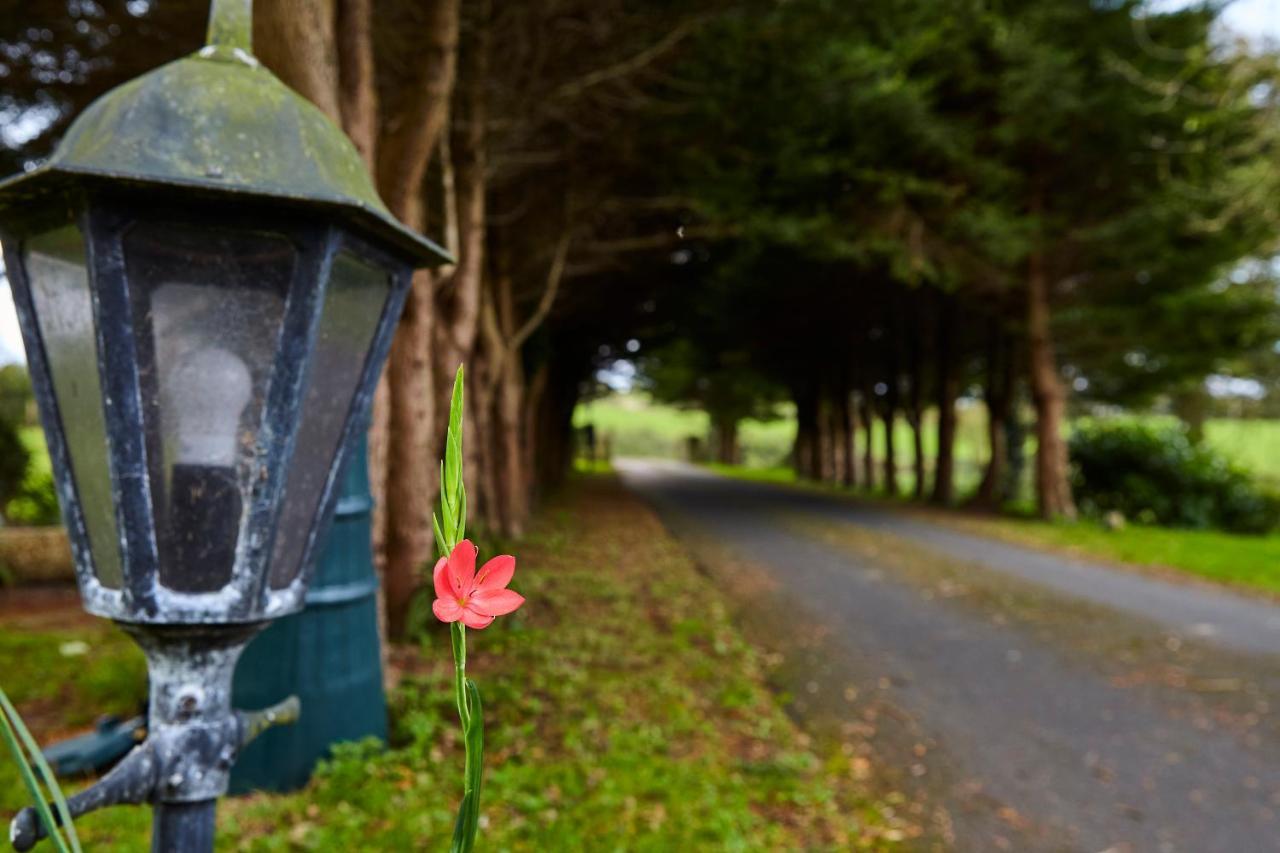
(1032, 702)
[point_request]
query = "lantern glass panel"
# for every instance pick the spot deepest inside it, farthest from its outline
(353, 304)
(58, 280)
(208, 307)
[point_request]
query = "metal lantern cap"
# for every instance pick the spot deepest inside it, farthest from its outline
(218, 122)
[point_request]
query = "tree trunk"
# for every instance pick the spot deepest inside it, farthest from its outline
(1053, 486)
(411, 455)
(725, 429)
(918, 469)
(827, 471)
(848, 431)
(868, 444)
(806, 451)
(357, 87)
(1191, 405)
(890, 408)
(406, 425)
(948, 390)
(509, 404)
(295, 39)
(476, 453)
(415, 120)
(487, 360)
(535, 436)
(999, 398)
(915, 410)
(889, 412)
(458, 298)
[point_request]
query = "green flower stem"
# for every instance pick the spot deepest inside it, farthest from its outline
(450, 527)
(458, 632)
(468, 698)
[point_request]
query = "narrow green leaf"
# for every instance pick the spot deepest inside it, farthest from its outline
(459, 844)
(32, 784)
(50, 780)
(452, 473)
(455, 406)
(462, 516)
(440, 541)
(475, 761)
(15, 735)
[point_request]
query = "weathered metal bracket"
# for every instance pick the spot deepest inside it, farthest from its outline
(194, 735)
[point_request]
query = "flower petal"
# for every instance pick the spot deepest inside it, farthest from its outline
(472, 619)
(462, 567)
(447, 609)
(496, 573)
(495, 602)
(444, 588)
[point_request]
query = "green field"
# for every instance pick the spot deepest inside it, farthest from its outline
(633, 425)
(1255, 444)
(637, 426)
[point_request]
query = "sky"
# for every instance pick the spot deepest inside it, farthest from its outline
(1255, 20)
(10, 335)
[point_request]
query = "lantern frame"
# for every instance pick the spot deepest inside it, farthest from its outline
(104, 220)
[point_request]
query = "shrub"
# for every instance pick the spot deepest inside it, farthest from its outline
(1155, 475)
(15, 460)
(36, 503)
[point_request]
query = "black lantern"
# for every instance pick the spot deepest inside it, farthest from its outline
(207, 285)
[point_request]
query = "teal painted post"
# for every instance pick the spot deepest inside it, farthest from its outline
(328, 655)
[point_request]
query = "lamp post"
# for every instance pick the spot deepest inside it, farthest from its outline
(207, 285)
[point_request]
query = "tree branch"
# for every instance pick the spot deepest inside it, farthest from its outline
(573, 88)
(554, 276)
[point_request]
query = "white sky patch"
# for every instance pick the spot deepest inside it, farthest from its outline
(620, 376)
(1234, 386)
(11, 348)
(1253, 20)
(18, 127)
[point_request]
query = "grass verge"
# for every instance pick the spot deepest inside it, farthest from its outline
(624, 712)
(1250, 563)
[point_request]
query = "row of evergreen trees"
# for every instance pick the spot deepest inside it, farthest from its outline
(1042, 199)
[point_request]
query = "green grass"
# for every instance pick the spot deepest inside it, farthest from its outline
(33, 438)
(1255, 444)
(773, 474)
(623, 711)
(1247, 562)
(634, 425)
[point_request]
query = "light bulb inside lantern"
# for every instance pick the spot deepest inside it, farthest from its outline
(205, 394)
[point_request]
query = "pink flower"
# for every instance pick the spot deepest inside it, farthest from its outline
(475, 598)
